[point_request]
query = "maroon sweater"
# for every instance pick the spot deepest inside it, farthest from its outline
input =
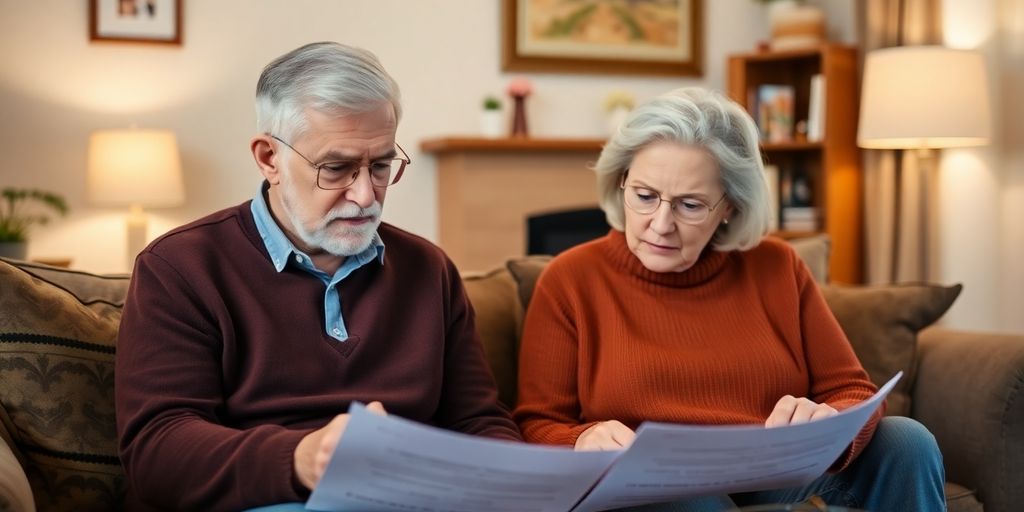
(223, 364)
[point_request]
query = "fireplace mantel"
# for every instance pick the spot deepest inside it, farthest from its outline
(487, 188)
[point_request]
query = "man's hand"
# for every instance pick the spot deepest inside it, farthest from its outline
(314, 451)
(791, 411)
(605, 436)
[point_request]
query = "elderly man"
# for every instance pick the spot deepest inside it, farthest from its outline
(247, 334)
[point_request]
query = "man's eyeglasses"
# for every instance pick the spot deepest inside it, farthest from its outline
(645, 201)
(339, 174)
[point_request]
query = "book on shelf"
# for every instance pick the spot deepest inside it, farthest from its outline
(771, 177)
(800, 218)
(816, 109)
(775, 112)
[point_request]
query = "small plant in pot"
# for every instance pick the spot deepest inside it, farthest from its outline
(19, 210)
(491, 119)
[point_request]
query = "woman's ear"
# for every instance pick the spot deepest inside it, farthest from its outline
(265, 154)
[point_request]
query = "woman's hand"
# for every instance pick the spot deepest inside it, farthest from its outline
(790, 410)
(605, 436)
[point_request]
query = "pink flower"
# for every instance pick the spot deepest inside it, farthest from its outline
(520, 87)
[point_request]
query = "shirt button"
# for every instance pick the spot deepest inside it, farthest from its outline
(336, 331)
(298, 258)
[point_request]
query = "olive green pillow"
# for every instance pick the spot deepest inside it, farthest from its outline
(882, 323)
(498, 320)
(57, 384)
(526, 270)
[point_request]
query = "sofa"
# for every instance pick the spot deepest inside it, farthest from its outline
(57, 340)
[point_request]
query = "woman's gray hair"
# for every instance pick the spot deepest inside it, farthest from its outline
(327, 77)
(695, 116)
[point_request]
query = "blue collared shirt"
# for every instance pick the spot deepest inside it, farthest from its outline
(282, 251)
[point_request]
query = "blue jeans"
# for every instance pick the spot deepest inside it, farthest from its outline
(900, 469)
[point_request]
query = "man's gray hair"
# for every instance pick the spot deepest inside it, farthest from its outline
(695, 116)
(327, 77)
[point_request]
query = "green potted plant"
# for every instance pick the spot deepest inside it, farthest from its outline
(19, 210)
(491, 119)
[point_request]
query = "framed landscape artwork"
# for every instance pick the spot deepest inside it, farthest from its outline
(652, 37)
(142, 21)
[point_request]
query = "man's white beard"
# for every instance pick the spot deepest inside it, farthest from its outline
(339, 241)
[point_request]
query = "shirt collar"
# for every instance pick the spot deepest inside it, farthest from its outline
(281, 249)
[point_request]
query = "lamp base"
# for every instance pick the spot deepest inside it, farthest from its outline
(136, 228)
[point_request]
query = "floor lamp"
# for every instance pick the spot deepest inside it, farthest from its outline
(135, 168)
(922, 98)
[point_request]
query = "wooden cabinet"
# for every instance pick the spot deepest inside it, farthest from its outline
(488, 187)
(831, 165)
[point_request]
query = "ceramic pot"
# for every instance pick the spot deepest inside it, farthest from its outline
(615, 119)
(491, 124)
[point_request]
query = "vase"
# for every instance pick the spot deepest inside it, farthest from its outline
(519, 117)
(14, 250)
(491, 124)
(795, 25)
(615, 119)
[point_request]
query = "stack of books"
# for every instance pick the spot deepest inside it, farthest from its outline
(800, 218)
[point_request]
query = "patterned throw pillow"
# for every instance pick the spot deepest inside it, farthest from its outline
(57, 383)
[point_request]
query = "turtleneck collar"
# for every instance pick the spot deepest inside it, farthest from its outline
(709, 264)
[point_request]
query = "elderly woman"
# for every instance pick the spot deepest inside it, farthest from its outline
(685, 313)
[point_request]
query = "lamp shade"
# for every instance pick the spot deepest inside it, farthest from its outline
(923, 97)
(135, 167)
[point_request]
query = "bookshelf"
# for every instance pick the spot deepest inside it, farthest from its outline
(831, 165)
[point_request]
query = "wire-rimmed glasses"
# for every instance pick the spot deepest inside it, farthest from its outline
(339, 174)
(646, 201)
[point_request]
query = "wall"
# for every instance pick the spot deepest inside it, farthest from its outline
(56, 87)
(1011, 66)
(981, 190)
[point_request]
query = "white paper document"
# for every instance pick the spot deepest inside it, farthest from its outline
(672, 462)
(390, 464)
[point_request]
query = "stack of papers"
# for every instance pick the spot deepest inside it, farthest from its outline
(386, 463)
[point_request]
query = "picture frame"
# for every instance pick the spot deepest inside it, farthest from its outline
(135, 21)
(637, 37)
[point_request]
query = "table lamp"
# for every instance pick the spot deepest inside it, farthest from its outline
(135, 168)
(922, 98)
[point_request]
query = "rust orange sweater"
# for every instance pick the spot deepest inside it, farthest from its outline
(719, 343)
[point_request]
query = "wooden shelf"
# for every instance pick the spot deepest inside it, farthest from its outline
(833, 165)
(461, 144)
(791, 146)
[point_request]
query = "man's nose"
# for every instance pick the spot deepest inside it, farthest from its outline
(361, 191)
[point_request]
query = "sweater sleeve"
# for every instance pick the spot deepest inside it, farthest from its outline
(836, 375)
(469, 396)
(169, 393)
(549, 404)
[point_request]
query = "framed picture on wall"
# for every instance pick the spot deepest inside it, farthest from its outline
(141, 21)
(650, 37)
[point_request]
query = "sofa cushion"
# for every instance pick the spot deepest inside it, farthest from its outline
(498, 320)
(882, 324)
(815, 251)
(57, 383)
(526, 270)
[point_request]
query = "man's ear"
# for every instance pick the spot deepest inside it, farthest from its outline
(265, 154)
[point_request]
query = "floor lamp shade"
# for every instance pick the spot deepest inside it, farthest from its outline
(135, 167)
(921, 97)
